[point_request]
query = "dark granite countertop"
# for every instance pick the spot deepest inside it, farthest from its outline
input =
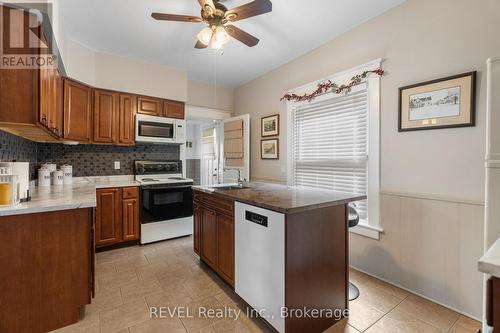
(282, 198)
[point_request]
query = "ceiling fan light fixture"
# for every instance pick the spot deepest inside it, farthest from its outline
(205, 35)
(220, 37)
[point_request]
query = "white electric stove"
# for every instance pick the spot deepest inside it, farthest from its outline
(166, 200)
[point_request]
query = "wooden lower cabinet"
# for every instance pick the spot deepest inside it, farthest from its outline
(108, 216)
(225, 246)
(493, 304)
(46, 276)
(209, 237)
(117, 216)
(214, 234)
(197, 228)
(130, 217)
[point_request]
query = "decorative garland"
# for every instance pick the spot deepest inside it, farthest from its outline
(324, 87)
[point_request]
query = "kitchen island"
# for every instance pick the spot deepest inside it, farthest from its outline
(283, 249)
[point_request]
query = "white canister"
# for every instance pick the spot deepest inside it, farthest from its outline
(58, 177)
(43, 177)
(51, 167)
(68, 174)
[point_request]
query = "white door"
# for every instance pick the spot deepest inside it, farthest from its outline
(235, 149)
(209, 157)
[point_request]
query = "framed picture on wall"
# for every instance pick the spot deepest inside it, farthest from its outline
(270, 126)
(269, 149)
(443, 103)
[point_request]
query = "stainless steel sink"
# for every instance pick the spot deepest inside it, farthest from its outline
(230, 187)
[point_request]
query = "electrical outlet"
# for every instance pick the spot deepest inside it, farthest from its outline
(117, 165)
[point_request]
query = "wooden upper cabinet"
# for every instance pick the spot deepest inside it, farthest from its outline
(50, 104)
(173, 109)
(56, 103)
(108, 223)
(44, 105)
(77, 111)
(127, 111)
(149, 106)
(105, 116)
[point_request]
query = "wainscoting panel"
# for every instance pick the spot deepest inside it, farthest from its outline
(430, 247)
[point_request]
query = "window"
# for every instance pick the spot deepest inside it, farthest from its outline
(334, 145)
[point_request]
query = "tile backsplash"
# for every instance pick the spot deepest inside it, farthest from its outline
(87, 160)
(16, 149)
(98, 160)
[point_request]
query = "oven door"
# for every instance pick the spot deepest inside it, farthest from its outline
(154, 129)
(162, 203)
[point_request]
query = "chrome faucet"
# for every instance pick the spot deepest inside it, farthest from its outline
(240, 181)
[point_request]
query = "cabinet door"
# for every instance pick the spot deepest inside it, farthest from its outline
(56, 103)
(149, 106)
(77, 111)
(209, 237)
(130, 217)
(50, 104)
(128, 104)
(225, 249)
(198, 211)
(173, 109)
(108, 217)
(44, 106)
(105, 116)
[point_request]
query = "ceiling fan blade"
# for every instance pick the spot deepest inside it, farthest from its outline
(207, 6)
(200, 45)
(174, 17)
(242, 36)
(254, 8)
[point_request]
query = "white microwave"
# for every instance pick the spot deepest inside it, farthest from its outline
(159, 129)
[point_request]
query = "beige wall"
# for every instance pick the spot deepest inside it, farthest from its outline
(210, 96)
(420, 40)
(123, 74)
(129, 75)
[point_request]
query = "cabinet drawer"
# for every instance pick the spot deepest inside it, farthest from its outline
(218, 203)
(130, 192)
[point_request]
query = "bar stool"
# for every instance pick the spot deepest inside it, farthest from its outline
(353, 221)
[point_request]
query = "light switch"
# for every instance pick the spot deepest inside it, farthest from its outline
(117, 165)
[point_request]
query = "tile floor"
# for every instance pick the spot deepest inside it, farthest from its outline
(166, 274)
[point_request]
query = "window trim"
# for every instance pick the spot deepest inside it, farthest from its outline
(371, 229)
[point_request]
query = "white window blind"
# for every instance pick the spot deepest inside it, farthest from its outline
(330, 144)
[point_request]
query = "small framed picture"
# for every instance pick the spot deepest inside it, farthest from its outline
(443, 103)
(270, 126)
(269, 149)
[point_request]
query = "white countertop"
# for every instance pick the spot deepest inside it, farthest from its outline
(80, 194)
(490, 262)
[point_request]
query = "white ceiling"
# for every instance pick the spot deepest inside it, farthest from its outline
(294, 27)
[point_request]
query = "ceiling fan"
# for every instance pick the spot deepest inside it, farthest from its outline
(217, 16)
